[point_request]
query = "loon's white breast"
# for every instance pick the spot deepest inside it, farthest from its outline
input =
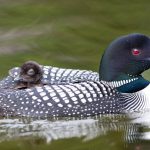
(137, 101)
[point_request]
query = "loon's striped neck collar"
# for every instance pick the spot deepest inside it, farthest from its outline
(130, 85)
(122, 80)
(136, 85)
(119, 83)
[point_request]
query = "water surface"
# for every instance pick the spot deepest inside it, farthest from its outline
(132, 129)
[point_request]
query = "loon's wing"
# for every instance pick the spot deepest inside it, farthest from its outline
(53, 75)
(79, 99)
(14, 72)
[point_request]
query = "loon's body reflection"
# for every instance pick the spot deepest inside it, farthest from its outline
(61, 128)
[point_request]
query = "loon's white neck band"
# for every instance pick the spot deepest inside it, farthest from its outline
(115, 84)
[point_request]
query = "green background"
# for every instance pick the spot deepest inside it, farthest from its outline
(66, 33)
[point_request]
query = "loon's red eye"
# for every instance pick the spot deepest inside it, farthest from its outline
(136, 52)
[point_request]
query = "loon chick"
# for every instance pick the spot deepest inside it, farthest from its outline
(121, 87)
(30, 75)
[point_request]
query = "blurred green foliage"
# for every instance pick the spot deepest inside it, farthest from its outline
(66, 33)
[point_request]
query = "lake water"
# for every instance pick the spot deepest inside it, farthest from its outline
(135, 128)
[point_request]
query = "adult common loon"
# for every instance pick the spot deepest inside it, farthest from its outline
(121, 87)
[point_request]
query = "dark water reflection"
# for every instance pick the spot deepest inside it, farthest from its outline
(135, 127)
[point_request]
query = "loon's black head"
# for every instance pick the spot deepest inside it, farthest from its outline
(126, 57)
(30, 72)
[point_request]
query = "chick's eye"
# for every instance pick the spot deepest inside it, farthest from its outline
(136, 52)
(30, 72)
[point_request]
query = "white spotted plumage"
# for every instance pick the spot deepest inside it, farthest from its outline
(65, 100)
